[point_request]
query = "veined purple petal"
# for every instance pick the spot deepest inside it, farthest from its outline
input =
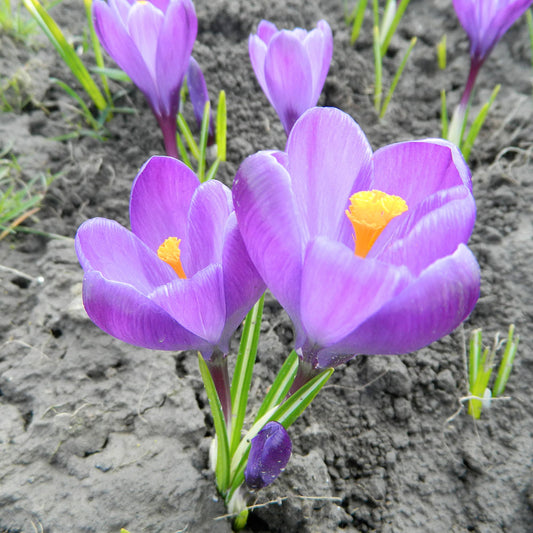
(431, 307)
(257, 50)
(341, 290)
(122, 8)
(125, 313)
(209, 210)
(117, 254)
(271, 226)
(329, 160)
(288, 77)
(269, 454)
(198, 92)
(160, 199)
(197, 303)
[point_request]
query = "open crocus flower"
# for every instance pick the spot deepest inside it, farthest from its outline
(152, 41)
(366, 252)
(181, 278)
(291, 66)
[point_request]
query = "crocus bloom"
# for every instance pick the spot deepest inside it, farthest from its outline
(366, 252)
(152, 41)
(198, 93)
(270, 451)
(181, 278)
(291, 66)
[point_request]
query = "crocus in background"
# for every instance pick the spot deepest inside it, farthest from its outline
(198, 93)
(485, 22)
(181, 278)
(270, 452)
(366, 252)
(152, 41)
(291, 66)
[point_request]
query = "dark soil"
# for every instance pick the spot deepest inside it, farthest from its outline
(96, 435)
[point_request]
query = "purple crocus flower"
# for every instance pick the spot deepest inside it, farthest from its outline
(269, 454)
(152, 41)
(291, 67)
(198, 93)
(181, 278)
(366, 252)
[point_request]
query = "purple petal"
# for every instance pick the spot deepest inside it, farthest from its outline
(122, 311)
(198, 92)
(196, 303)
(431, 307)
(210, 207)
(329, 160)
(257, 50)
(271, 226)
(288, 77)
(266, 30)
(174, 48)
(105, 246)
(269, 454)
(415, 170)
(160, 199)
(122, 7)
(319, 46)
(341, 290)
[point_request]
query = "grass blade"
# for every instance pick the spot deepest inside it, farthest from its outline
(221, 127)
(392, 28)
(188, 136)
(202, 145)
(358, 17)
(377, 70)
(443, 114)
(506, 364)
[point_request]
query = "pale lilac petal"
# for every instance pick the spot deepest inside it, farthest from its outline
(433, 229)
(271, 226)
(288, 77)
(198, 92)
(160, 199)
(174, 49)
(120, 46)
(257, 50)
(109, 248)
(122, 8)
(431, 307)
(319, 46)
(329, 160)
(127, 314)
(209, 209)
(144, 24)
(416, 170)
(266, 30)
(196, 303)
(341, 290)
(242, 284)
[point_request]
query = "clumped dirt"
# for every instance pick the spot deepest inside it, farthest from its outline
(96, 435)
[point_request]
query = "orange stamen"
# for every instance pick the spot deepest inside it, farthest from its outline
(170, 253)
(369, 213)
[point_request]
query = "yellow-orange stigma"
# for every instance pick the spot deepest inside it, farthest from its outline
(170, 253)
(369, 213)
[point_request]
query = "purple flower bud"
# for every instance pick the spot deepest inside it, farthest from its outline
(269, 455)
(291, 67)
(198, 93)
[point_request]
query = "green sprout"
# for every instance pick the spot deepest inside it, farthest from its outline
(480, 365)
(13, 23)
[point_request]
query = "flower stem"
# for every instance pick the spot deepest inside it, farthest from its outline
(305, 373)
(168, 128)
(218, 368)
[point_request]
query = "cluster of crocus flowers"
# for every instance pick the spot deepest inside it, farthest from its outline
(291, 66)
(366, 252)
(152, 41)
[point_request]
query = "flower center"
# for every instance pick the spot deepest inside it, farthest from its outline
(170, 253)
(369, 213)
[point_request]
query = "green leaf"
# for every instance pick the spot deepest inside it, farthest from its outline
(389, 32)
(221, 127)
(242, 375)
(443, 114)
(506, 365)
(358, 17)
(204, 133)
(222, 468)
(441, 52)
(188, 136)
(377, 70)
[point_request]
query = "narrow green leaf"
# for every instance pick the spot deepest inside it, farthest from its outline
(390, 31)
(358, 17)
(221, 127)
(397, 77)
(386, 20)
(466, 147)
(443, 114)
(183, 151)
(474, 357)
(222, 468)
(506, 365)
(212, 172)
(441, 52)
(281, 385)
(242, 375)
(189, 138)
(67, 53)
(204, 133)
(112, 73)
(87, 115)
(377, 71)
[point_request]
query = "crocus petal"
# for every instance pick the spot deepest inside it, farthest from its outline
(433, 229)
(415, 170)
(431, 307)
(122, 311)
(122, 8)
(329, 160)
(341, 290)
(209, 209)
(197, 303)
(266, 30)
(160, 199)
(198, 92)
(107, 247)
(176, 41)
(271, 226)
(257, 50)
(319, 45)
(121, 47)
(242, 283)
(288, 77)
(144, 24)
